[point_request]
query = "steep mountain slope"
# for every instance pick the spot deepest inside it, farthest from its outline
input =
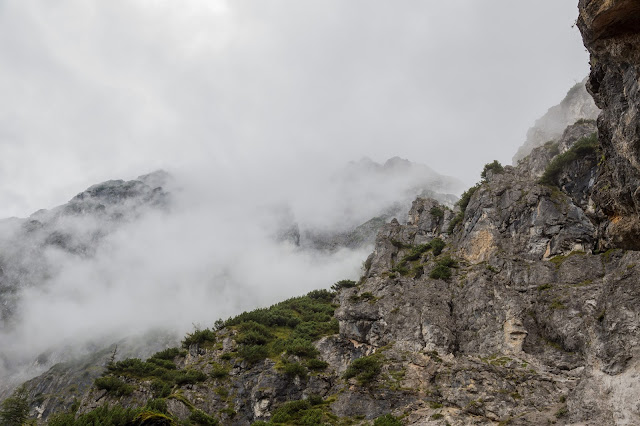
(59, 268)
(521, 306)
(502, 311)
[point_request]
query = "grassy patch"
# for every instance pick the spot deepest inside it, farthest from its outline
(287, 327)
(559, 259)
(583, 147)
(387, 420)
(442, 270)
(114, 386)
(364, 369)
(557, 304)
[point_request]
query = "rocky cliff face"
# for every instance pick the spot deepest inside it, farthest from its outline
(505, 312)
(611, 33)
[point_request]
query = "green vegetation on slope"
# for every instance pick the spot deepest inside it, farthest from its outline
(14, 410)
(415, 253)
(583, 147)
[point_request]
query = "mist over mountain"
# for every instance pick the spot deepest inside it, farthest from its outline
(104, 265)
(577, 104)
(258, 278)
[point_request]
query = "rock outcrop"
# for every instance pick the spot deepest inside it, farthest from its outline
(577, 105)
(611, 33)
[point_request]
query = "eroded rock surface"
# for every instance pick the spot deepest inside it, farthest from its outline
(611, 33)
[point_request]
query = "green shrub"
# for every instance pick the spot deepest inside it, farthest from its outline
(463, 202)
(416, 252)
(364, 369)
(162, 363)
(311, 417)
(315, 399)
(387, 420)
(437, 245)
(293, 369)
(160, 388)
(321, 295)
(158, 404)
(440, 272)
(189, 377)
(114, 386)
(106, 416)
(436, 212)
(252, 338)
(62, 419)
(448, 261)
(553, 148)
(199, 337)
(15, 409)
(253, 353)
(583, 147)
(454, 222)
(315, 364)
(219, 371)
(148, 417)
(199, 417)
(343, 284)
(301, 347)
(167, 354)
(290, 411)
(494, 167)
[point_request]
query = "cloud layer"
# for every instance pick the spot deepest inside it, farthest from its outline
(248, 89)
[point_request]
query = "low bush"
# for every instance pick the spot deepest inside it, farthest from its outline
(199, 337)
(167, 354)
(462, 203)
(290, 326)
(15, 409)
(103, 416)
(387, 420)
(114, 386)
(495, 167)
(343, 284)
(201, 418)
(315, 364)
(364, 369)
(293, 369)
(437, 245)
(253, 353)
(219, 371)
(582, 148)
(436, 212)
(290, 411)
(440, 272)
(160, 388)
(159, 405)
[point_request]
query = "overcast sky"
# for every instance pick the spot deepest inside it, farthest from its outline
(93, 90)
